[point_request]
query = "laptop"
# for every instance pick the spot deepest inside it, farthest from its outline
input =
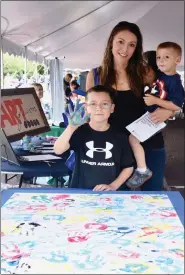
(8, 153)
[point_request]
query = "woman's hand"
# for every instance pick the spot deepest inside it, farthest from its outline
(161, 115)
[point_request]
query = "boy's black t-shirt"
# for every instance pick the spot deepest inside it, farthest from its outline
(99, 156)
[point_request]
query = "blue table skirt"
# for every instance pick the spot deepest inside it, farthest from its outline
(175, 197)
(37, 169)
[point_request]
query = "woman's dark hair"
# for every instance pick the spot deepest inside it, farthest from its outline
(101, 89)
(150, 59)
(135, 69)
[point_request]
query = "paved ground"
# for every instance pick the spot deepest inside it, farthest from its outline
(174, 141)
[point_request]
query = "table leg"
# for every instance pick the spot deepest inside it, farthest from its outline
(34, 180)
(6, 178)
(165, 185)
(21, 181)
(70, 177)
(56, 182)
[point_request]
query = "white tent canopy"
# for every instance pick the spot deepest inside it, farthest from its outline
(78, 30)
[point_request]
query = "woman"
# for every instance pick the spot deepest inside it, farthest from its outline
(123, 69)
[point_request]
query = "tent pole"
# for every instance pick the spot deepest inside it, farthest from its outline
(36, 67)
(25, 64)
(2, 66)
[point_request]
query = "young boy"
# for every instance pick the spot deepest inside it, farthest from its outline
(103, 157)
(167, 92)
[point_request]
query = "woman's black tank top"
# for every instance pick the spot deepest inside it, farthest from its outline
(128, 108)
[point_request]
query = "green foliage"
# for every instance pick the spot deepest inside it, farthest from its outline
(15, 65)
(40, 69)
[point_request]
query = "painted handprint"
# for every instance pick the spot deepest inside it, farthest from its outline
(78, 116)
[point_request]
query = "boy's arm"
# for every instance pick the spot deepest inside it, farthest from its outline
(126, 164)
(62, 143)
(123, 176)
(75, 119)
(153, 100)
(169, 105)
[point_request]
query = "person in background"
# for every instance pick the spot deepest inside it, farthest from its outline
(73, 86)
(167, 92)
(75, 92)
(40, 93)
(123, 70)
(67, 79)
(75, 78)
(74, 95)
(103, 157)
(79, 78)
(38, 89)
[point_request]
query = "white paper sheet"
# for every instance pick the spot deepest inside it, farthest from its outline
(41, 157)
(51, 151)
(143, 128)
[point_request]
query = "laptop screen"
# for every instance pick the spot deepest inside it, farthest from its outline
(7, 152)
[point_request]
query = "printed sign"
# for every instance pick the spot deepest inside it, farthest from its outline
(22, 113)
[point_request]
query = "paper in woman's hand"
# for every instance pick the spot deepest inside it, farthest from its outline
(143, 128)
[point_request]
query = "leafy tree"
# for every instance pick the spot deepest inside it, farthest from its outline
(15, 65)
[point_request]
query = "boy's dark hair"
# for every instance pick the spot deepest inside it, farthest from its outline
(69, 75)
(173, 45)
(75, 83)
(150, 59)
(101, 89)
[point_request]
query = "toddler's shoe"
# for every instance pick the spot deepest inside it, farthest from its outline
(138, 179)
